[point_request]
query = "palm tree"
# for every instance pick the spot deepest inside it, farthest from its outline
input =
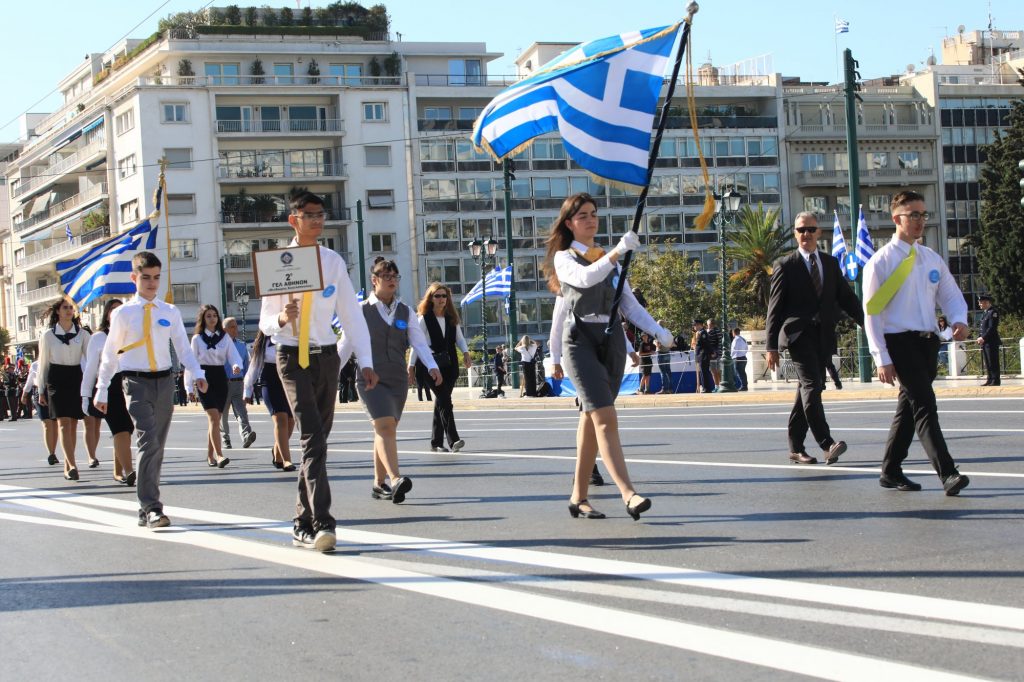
(758, 242)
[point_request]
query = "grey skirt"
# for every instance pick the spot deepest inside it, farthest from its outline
(594, 362)
(387, 398)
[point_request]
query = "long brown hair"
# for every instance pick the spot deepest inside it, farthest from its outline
(201, 323)
(53, 312)
(108, 308)
(426, 306)
(561, 237)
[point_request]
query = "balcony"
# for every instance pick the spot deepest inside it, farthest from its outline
(47, 293)
(53, 172)
(878, 176)
(95, 193)
(66, 248)
(247, 174)
(248, 218)
(334, 127)
(270, 80)
(809, 131)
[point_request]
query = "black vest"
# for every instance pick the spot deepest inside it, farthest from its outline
(439, 342)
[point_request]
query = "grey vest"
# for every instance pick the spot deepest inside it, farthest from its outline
(388, 342)
(595, 300)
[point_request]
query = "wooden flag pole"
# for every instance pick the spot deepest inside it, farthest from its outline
(161, 199)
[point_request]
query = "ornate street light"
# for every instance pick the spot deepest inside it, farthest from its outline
(242, 299)
(483, 252)
(726, 207)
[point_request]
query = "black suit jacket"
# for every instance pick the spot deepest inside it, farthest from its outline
(793, 304)
(990, 327)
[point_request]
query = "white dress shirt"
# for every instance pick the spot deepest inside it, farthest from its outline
(126, 328)
(54, 351)
(739, 348)
(92, 363)
(442, 322)
(913, 306)
(806, 255)
(338, 297)
(221, 354)
(30, 381)
(417, 339)
(527, 353)
(558, 314)
(252, 375)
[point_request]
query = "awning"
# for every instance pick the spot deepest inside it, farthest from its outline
(78, 133)
(92, 126)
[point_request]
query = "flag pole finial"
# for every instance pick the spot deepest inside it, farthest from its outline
(691, 9)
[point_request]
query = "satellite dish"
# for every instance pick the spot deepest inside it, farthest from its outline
(931, 61)
(910, 68)
(960, 29)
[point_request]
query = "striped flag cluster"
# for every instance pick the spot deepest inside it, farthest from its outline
(600, 97)
(865, 248)
(106, 269)
(838, 241)
(498, 283)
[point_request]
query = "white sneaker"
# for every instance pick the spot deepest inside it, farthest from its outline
(325, 541)
(458, 445)
(438, 448)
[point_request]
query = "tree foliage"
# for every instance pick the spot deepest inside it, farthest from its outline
(758, 241)
(999, 240)
(672, 283)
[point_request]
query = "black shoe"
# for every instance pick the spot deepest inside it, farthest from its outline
(249, 440)
(71, 474)
(288, 467)
(130, 479)
(576, 512)
(954, 483)
(836, 449)
(801, 458)
(156, 519)
(52, 459)
(381, 492)
(399, 487)
(211, 464)
(899, 482)
(839, 385)
(639, 509)
(303, 536)
(227, 444)
(93, 463)
(596, 478)
(438, 448)
(223, 462)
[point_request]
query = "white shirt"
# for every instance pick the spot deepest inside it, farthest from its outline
(338, 297)
(126, 328)
(54, 351)
(30, 381)
(574, 273)
(92, 363)
(913, 306)
(806, 255)
(946, 334)
(252, 375)
(221, 354)
(460, 340)
(417, 339)
(739, 348)
(527, 353)
(558, 314)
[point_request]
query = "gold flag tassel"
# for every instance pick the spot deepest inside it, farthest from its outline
(160, 202)
(708, 213)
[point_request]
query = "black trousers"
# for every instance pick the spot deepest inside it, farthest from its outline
(809, 360)
(916, 361)
(530, 378)
(444, 418)
(707, 380)
(990, 353)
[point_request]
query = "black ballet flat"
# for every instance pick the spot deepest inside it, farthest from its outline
(51, 459)
(399, 487)
(93, 463)
(71, 474)
(210, 464)
(636, 511)
(288, 467)
(576, 512)
(130, 479)
(223, 462)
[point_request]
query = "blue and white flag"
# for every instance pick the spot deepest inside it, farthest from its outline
(838, 241)
(842, 26)
(600, 97)
(498, 281)
(106, 268)
(865, 248)
(67, 231)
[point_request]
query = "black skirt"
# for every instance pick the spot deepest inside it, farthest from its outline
(62, 385)
(117, 418)
(273, 390)
(216, 396)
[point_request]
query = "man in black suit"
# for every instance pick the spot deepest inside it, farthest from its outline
(807, 291)
(988, 339)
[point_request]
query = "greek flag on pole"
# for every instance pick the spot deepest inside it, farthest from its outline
(600, 97)
(67, 231)
(106, 268)
(842, 26)
(838, 241)
(865, 249)
(499, 283)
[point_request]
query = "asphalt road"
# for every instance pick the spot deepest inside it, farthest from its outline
(747, 567)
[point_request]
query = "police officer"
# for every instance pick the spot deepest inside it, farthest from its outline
(989, 339)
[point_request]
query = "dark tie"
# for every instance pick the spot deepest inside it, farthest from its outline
(815, 275)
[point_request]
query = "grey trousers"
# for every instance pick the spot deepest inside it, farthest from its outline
(311, 394)
(150, 404)
(237, 403)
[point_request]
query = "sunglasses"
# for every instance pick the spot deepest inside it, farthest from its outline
(806, 230)
(440, 295)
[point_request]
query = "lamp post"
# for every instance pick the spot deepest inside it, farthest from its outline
(725, 211)
(482, 251)
(242, 299)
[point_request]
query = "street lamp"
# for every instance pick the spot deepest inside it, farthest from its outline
(725, 211)
(242, 299)
(482, 251)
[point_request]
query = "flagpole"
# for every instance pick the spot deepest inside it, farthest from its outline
(162, 195)
(835, 36)
(641, 201)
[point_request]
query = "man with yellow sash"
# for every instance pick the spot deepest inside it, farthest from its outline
(903, 282)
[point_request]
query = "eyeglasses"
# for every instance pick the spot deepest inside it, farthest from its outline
(312, 216)
(806, 230)
(915, 215)
(440, 295)
(389, 277)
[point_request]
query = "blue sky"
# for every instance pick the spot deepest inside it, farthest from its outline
(885, 36)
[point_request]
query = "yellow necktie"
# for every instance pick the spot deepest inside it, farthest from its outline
(147, 336)
(890, 286)
(304, 315)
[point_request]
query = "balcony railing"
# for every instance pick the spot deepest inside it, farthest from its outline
(64, 247)
(52, 172)
(841, 178)
(265, 171)
(869, 130)
(49, 292)
(295, 126)
(68, 204)
(249, 215)
(250, 81)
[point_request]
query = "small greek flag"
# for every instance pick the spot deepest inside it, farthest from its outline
(838, 241)
(67, 231)
(106, 268)
(498, 283)
(842, 26)
(600, 97)
(865, 248)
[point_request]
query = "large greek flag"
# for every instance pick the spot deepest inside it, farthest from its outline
(865, 249)
(106, 268)
(600, 97)
(499, 283)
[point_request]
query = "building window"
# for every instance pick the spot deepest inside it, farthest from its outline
(378, 155)
(22, 323)
(178, 158)
(437, 113)
(383, 243)
(447, 270)
(235, 288)
(175, 113)
(181, 204)
(469, 113)
(127, 167)
(909, 159)
(284, 74)
(184, 249)
(375, 111)
(876, 160)
(130, 212)
(879, 203)
(816, 205)
(20, 288)
(380, 198)
(346, 74)
(465, 72)
(185, 293)
(124, 121)
(222, 74)
(813, 162)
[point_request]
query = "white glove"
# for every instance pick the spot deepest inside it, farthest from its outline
(629, 242)
(85, 406)
(665, 338)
